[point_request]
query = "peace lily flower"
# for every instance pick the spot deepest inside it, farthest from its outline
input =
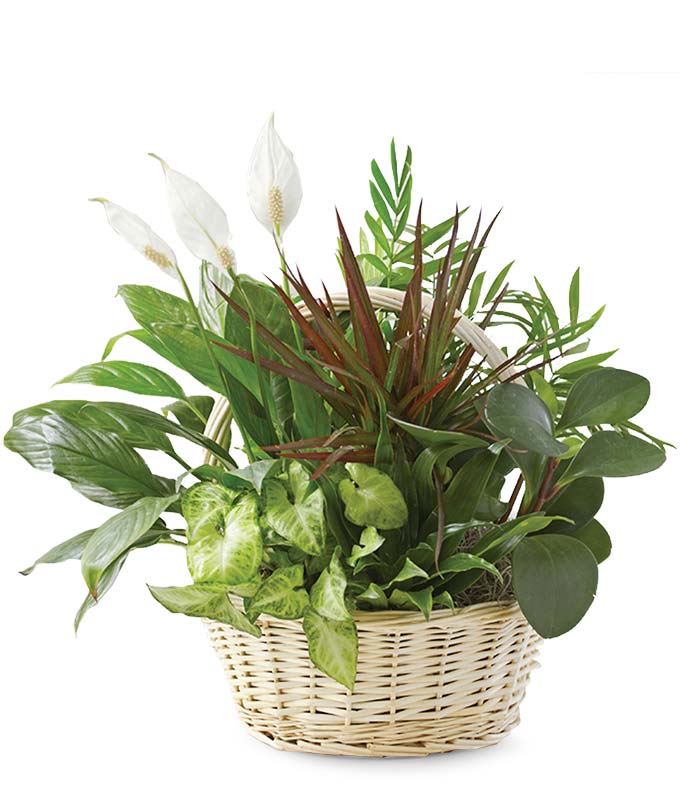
(200, 221)
(274, 187)
(140, 236)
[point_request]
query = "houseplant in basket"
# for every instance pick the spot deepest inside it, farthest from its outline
(390, 509)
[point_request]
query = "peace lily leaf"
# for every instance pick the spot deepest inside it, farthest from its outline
(224, 537)
(188, 418)
(97, 464)
(106, 582)
(502, 538)
(204, 601)
(445, 599)
(579, 501)
(328, 592)
(372, 499)
(70, 549)
(118, 534)
(369, 542)
(513, 411)
(373, 597)
(605, 396)
(333, 647)
(301, 521)
(413, 599)
(129, 376)
(467, 562)
(432, 437)
(555, 579)
(608, 454)
(409, 570)
(281, 595)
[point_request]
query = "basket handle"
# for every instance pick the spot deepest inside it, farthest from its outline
(389, 300)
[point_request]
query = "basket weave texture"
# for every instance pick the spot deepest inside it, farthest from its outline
(453, 682)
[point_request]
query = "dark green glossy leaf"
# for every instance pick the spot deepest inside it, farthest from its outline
(70, 549)
(555, 580)
(430, 437)
(413, 599)
(188, 418)
(608, 454)
(515, 412)
(579, 501)
(605, 396)
(595, 537)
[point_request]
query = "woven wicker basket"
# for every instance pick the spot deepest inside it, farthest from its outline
(453, 682)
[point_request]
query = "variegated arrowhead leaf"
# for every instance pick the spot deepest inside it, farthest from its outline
(328, 592)
(296, 513)
(224, 539)
(369, 542)
(333, 647)
(281, 595)
(204, 601)
(372, 499)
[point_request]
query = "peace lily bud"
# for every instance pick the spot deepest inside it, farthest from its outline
(140, 236)
(274, 187)
(200, 221)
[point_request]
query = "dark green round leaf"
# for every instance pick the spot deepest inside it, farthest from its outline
(515, 412)
(555, 579)
(605, 396)
(596, 538)
(579, 501)
(608, 454)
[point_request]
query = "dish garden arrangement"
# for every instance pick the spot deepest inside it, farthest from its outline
(387, 511)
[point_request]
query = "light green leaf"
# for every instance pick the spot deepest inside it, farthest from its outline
(118, 534)
(333, 647)
(462, 561)
(204, 601)
(70, 549)
(328, 592)
(224, 536)
(373, 596)
(281, 595)
(296, 513)
(254, 474)
(575, 367)
(409, 570)
(128, 376)
(555, 580)
(369, 542)
(106, 582)
(212, 308)
(605, 396)
(445, 599)
(608, 454)
(574, 296)
(545, 391)
(413, 599)
(513, 411)
(372, 499)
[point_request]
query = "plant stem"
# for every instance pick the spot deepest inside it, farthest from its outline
(544, 491)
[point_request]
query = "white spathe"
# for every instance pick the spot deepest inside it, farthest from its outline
(140, 236)
(274, 187)
(200, 221)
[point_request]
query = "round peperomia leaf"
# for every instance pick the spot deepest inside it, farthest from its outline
(224, 539)
(371, 498)
(605, 396)
(333, 646)
(296, 512)
(555, 579)
(515, 412)
(579, 501)
(609, 454)
(595, 537)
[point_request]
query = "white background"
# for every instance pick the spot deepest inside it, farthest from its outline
(567, 116)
